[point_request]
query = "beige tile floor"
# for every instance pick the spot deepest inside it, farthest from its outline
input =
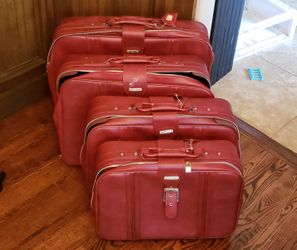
(269, 105)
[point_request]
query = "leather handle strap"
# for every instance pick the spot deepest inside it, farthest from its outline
(161, 107)
(135, 20)
(133, 37)
(134, 60)
(172, 172)
(171, 153)
(166, 125)
(158, 104)
(168, 19)
(171, 198)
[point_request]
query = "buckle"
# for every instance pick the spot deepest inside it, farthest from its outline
(171, 190)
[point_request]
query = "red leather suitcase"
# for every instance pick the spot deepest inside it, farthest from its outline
(143, 118)
(129, 35)
(76, 65)
(166, 189)
(76, 94)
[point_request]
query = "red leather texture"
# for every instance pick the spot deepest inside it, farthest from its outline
(137, 197)
(132, 35)
(76, 94)
(117, 118)
(170, 64)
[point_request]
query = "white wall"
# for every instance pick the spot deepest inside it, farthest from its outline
(204, 12)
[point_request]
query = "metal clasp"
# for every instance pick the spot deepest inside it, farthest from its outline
(171, 190)
(133, 51)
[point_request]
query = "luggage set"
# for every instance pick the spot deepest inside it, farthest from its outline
(133, 107)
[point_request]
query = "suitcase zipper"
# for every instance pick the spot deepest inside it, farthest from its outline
(74, 72)
(66, 73)
(86, 80)
(75, 34)
(155, 84)
(108, 167)
(104, 119)
(176, 74)
(187, 165)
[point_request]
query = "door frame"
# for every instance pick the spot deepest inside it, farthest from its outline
(224, 35)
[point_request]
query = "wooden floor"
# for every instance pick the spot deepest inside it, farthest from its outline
(44, 204)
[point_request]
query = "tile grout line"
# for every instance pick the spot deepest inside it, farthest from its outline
(277, 66)
(284, 125)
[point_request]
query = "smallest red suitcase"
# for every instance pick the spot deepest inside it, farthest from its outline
(167, 189)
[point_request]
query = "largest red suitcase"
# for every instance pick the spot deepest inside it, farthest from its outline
(166, 189)
(76, 94)
(141, 118)
(129, 35)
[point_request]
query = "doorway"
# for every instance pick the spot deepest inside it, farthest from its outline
(268, 105)
(265, 24)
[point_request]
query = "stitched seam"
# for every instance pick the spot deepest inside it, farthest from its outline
(204, 203)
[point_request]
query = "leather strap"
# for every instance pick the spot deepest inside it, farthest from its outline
(135, 79)
(133, 39)
(165, 124)
(167, 166)
(165, 149)
(172, 172)
(132, 59)
(171, 200)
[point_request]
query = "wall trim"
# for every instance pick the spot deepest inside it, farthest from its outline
(203, 11)
(23, 88)
(20, 69)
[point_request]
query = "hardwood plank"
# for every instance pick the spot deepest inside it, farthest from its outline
(26, 120)
(45, 205)
(55, 194)
(24, 190)
(262, 213)
(34, 153)
(74, 226)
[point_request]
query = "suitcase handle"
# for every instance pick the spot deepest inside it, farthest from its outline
(134, 60)
(128, 20)
(161, 107)
(171, 152)
(167, 20)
